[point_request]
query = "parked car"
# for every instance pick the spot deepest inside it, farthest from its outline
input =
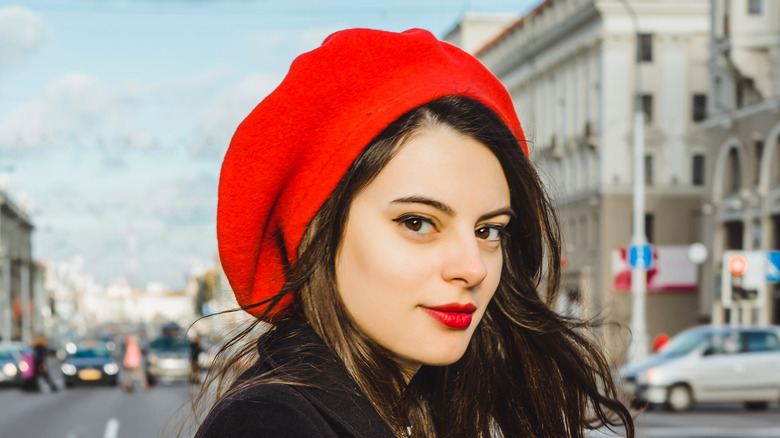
(710, 364)
(26, 365)
(93, 364)
(168, 358)
(10, 365)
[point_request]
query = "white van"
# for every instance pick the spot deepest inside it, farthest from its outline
(710, 364)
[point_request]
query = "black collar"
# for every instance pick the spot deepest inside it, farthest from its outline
(327, 385)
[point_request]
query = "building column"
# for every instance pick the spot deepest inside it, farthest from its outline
(5, 294)
(26, 316)
(716, 232)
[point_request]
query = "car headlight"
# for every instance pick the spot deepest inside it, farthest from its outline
(71, 348)
(68, 369)
(24, 367)
(649, 375)
(9, 369)
(153, 359)
(111, 368)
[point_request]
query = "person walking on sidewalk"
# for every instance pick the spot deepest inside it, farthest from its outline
(40, 355)
(195, 351)
(133, 362)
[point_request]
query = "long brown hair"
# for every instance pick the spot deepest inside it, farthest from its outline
(527, 371)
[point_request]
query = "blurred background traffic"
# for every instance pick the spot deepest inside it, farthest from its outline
(655, 125)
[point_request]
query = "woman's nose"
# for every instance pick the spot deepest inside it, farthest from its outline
(464, 261)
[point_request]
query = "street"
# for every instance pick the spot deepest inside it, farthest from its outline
(710, 421)
(94, 412)
(107, 412)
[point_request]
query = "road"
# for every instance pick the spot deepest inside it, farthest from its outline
(712, 421)
(94, 412)
(107, 412)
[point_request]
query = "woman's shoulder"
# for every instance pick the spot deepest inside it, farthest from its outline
(265, 410)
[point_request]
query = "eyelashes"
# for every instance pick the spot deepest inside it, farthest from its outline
(421, 226)
(416, 224)
(491, 233)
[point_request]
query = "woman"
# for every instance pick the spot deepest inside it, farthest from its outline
(133, 362)
(379, 210)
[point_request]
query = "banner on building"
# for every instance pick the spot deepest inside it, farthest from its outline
(670, 270)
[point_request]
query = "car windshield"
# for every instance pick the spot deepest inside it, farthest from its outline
(6, 354)
(91, 353)
(684, 343)
(169, 344)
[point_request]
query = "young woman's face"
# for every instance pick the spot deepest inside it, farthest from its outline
(421, 253)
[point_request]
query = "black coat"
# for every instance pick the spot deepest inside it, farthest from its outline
(333, 407)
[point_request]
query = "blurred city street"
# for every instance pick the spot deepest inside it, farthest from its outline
(713, 421)
(653, 124)
(95, 411)
(107, 412)
(727, 420)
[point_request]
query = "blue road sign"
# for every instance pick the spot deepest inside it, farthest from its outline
(633, 256)
(773, 266)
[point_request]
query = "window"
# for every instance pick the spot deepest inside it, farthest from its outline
(758, 146)
(648, 170)
(699, 107)
(743, 85)
(755, 7)
(647, 107)
(644, 50)
(733, 231)
(650, 228)
(725, 343)
(760, 341)
(698, 170)
(734, 175)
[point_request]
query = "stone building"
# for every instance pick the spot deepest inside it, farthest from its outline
(17, 272)
(742, 128)
(571, 68)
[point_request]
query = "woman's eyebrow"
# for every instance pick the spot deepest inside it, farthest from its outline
(448, 210)
(444, 208)
(500, 212)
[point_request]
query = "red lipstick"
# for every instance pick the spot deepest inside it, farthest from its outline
(454, 315)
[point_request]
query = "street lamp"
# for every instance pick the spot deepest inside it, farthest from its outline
(638, 345)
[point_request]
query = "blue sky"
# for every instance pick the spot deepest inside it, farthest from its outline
(115, 114)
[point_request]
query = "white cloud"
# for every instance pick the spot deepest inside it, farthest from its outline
(25, 126)
(221, 117)
(74, 107)
(22, 32)
(313, 38)
(281, 47)
(77, 107)
(82, 94)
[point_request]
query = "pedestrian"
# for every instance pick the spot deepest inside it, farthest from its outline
(195, 351)
(379, 211)
(41, 365)
(133, 362)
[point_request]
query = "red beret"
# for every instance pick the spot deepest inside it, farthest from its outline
(289, 154)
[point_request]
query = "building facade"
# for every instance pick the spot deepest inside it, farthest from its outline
(742, 208)
(18, 273)
(571, 68)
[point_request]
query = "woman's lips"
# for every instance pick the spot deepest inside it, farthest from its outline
(454, 315)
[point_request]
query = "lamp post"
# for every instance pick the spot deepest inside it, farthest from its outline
(638, 345)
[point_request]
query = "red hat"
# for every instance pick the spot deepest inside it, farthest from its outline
(289, 154)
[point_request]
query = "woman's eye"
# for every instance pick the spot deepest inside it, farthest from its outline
(491, 233)
(416, 224)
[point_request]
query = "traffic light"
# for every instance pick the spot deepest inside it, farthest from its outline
(737, 266)
(742, 276)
